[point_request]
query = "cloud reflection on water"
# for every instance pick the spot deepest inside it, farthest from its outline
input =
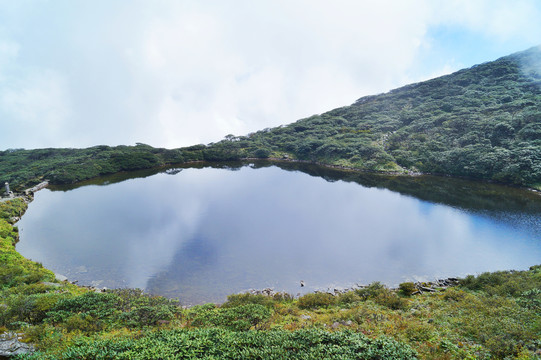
(206, 233)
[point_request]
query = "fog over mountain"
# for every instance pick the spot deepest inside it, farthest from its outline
(175, 73)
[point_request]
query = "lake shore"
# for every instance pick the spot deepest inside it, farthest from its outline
(475, 325)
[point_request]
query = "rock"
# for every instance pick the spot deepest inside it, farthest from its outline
(96, 283)
(47, 283)
(348, 323)
(11, 346)
(306, 317)
(335, 325)
(266, 292)
(60, 277)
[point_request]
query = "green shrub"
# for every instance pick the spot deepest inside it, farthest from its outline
(262, 153)
(31, 309)
(349, 297)
(283, 297)
(100, 306)
(239, 318)
(315, 300)
(247, 298)
(407, 288)
(453, 294)
(391, 300)
(146, 315)
(482, 282)
(82, 322)
(504, 283)
(371, 291)
(531, 299)
(225, 344)
(29, 289)
(140, 309)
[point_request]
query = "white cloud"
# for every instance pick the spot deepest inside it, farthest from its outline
(37, 106)
(236, 69)
(8, 52)
(175, 73)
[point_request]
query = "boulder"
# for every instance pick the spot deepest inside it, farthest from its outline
(59, 277)
(11, 346)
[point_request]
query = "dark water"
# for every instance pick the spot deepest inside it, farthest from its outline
(203, 233)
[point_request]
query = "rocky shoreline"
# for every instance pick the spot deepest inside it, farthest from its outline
(420, 288)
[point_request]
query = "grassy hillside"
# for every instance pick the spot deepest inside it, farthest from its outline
(22, 168)
(483, 122)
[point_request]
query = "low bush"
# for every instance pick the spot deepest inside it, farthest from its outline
(226, 344)
(239, 318)
(371, 291)
(315, 300)
(391, 300)
(504, 283)
(407, 288)
(349, 297)
(531, 299)
(97, 305)
(247, 298)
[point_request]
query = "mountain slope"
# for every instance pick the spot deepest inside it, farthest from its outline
(483, 122)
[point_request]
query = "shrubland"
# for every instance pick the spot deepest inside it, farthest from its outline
(482, 123)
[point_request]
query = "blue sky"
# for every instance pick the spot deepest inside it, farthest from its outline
(179, 72)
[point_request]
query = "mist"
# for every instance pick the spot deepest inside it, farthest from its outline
(177, 73)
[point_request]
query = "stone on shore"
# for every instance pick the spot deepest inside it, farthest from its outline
(10, 345)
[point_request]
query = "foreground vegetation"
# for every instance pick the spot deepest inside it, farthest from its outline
(495, 315)
(482, 123)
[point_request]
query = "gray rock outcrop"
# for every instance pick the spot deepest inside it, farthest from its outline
(10, 345)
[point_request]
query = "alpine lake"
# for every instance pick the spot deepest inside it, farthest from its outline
(201, 232)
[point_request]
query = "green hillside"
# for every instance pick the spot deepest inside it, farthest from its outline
(483, 122)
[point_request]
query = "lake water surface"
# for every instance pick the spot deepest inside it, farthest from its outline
(203, 233)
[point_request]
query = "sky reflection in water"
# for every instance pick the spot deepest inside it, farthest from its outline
(205, 233)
